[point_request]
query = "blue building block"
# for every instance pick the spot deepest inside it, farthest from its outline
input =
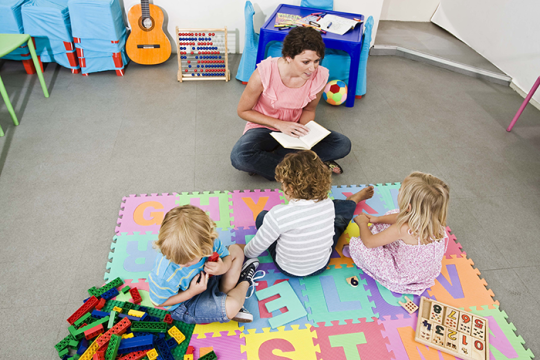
(163, 350)
(108, 295)
(99, 314)
(171, 343)
(83, 345)
(152, 318)
(136, 344)
(132, 318)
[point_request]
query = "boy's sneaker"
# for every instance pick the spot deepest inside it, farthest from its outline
(249, 273)
(243, 316)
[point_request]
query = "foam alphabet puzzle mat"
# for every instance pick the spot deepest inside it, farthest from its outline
(329, 319)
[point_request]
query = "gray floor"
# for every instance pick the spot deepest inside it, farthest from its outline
(65, 169)
(430, 39)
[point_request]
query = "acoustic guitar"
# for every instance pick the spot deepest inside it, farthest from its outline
(147, 44)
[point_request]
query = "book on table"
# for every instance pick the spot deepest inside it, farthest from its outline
(306, 142)
(286, 20)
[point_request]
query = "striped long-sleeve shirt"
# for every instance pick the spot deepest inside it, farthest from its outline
(304, 231)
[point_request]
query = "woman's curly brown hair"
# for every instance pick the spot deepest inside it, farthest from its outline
(304, 176)
(301, 39)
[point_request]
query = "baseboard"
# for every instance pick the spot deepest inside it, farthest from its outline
(523, 94)
(381, 50)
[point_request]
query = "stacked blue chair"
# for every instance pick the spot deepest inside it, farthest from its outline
(11, 23)
(47, 21)
(100, 35)
(249, 56)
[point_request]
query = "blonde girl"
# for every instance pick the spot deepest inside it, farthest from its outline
(403, 249)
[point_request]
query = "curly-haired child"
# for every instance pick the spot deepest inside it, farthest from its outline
(403, 249)
(301, 235)
(180, 280)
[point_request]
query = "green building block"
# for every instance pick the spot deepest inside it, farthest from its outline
(127, 306)
(210, 356)
(186, 329)
(83, 319)
(76, 357)
(64, 343)
(63, 353)
(149, 326)
(73, 343)
(88, 327)
(157, 312)
(109, 305)
(112, 349)
(125, 289)
(73, 332)
(93, 291)
(111, 320)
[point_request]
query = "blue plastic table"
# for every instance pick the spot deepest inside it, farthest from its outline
(350, 42)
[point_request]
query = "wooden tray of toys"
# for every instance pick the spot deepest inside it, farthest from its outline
(453, 331)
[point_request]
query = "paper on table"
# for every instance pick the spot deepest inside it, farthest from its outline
(336, 24)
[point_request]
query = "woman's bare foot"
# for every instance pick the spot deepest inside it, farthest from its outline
(364, 194)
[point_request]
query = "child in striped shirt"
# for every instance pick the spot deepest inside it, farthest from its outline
(182, 281)
(302, 235)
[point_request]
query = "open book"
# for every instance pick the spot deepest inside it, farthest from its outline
(306, 142)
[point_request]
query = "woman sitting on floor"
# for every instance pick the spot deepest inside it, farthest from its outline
(282, 95)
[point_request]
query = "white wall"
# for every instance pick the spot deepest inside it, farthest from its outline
(230, 13)
(409, 10)
(504, 32)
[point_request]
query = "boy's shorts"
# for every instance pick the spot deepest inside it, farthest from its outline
(207, 307)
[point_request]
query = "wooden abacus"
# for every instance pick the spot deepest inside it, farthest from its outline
(453, 331)
(202, 54)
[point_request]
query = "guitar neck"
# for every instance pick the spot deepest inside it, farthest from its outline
(145, 7)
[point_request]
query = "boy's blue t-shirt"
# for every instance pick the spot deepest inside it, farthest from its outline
(167, 278)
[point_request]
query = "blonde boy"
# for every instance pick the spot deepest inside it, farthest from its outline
(301, 235)
(180, 279)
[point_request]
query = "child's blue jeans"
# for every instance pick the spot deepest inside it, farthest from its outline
(207, 307)
(344, 210)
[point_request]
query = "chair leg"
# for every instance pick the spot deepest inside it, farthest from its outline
(38, 67)
(8, 104)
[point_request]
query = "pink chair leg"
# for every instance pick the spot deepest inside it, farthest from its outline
(525, 102)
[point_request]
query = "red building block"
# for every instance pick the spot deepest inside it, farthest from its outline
(99, 355)
(137, 355)
(190, 350)
(168, 319)
(101, 304)
(93, 332)
(88, 306)
(213, 258)
(135, 295)
(117, 329)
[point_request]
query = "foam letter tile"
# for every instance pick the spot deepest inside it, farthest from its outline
(400, 333)
(374, 206)
(454, 248)
(144, 212)
(216, 329)
(504, 343)
(459, 284)
(217, 205)
(261, 315)
(132, 256)
(226, 346)
(352, 341)
(248, 204)
(281, 344)
(331, 298)
(287, 299)
(342, 260)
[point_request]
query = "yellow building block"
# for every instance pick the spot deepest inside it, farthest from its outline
(89, 353)
(205, 350)
(188, 357)
(127, 336)
(136, 313)
(152, 354)
(177, 334)
(117, 309)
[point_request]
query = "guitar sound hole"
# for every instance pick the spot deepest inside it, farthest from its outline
(147, 24)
